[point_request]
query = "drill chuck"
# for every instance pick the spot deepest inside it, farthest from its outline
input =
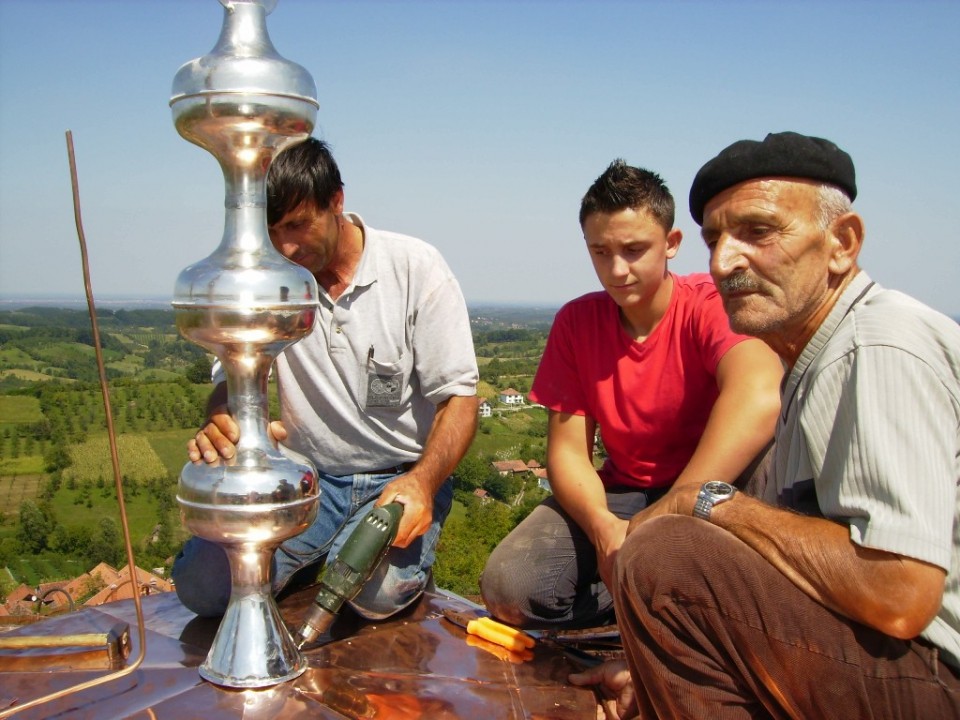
(344, 576)
(316, 622)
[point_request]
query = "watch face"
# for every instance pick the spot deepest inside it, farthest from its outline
(716, 487)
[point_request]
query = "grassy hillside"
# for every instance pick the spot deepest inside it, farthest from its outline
(14, 489)
(170, 447)
(515, 434)
(55, 457)
(19, 409)
(92, 459)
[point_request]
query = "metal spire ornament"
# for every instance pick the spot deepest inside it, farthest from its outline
(245, 303)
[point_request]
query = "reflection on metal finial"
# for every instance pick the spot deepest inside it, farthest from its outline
(245, 303)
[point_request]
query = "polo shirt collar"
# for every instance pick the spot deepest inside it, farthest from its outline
(366, 272)
(848, 298)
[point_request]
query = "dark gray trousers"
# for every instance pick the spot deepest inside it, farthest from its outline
(544, 573)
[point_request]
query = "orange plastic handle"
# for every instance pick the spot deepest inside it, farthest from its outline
(500, 634)
(512, 632)
(499, 651)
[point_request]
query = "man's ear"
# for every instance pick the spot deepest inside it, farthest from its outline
(336, 202)
(846, 237)
(674, 237)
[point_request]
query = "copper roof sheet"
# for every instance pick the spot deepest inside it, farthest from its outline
(417, 665)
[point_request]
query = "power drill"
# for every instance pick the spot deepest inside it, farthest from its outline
(344, 576)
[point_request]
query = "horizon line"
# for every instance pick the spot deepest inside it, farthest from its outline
(69, 299)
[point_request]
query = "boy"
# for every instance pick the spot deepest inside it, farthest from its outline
(651, 363)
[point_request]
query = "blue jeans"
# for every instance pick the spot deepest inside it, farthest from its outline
(202, 573)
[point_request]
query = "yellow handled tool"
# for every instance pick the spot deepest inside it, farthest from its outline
(501, 634)
(491, 630)
(517, 658)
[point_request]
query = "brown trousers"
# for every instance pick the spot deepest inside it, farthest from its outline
(712, 630)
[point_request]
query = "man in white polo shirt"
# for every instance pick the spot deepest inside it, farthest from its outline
(381, 396)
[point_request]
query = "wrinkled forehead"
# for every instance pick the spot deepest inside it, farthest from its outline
(767, 195)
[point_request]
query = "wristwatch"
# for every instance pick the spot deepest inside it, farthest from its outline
(712, 493)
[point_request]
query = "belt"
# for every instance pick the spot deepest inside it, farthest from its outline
(394, 470)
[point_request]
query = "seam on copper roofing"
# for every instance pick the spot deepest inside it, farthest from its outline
(415, 665)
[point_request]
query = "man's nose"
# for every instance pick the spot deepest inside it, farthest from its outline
(284, 245)
(725, 257)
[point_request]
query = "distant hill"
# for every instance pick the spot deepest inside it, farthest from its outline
(9, 302)
(33, 311)
(525, 316)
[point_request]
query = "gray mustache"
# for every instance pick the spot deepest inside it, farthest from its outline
(737, 283)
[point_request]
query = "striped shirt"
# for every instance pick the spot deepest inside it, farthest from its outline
(869, 434)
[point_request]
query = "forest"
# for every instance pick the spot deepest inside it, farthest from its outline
(58, 506)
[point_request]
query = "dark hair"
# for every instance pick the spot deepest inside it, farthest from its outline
(303, 172)
(622, 186)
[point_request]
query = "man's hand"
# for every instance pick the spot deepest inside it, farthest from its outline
(218, 438)
(417, 504)
(678, 501)
(607, 544)
(615, 688)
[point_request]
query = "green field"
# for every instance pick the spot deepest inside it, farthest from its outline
(19, 409)
(44, 568)
(15, 489)
(23, 465)
(26, 375)
(486, 390)
(15, 357)
(157, 375)
(92, 459)
(54, 451)
(73, 511)
(170, 447)
(457, 510)
(511, 432)
(130, 365)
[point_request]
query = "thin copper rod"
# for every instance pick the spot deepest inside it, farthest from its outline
(114, 459)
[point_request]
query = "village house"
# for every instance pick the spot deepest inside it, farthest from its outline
(482, 495)
(511, 397)
(485, 409)
(543, 482)
(106, 582)
(510, 467)
(518, 467)
(118, 586)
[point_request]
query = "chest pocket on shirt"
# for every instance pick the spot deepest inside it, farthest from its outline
(384, 383)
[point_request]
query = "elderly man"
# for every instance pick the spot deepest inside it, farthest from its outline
(836, 594)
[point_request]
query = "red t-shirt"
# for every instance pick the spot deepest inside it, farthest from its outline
(651, 399)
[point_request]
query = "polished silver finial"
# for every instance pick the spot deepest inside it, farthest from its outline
(245, 303)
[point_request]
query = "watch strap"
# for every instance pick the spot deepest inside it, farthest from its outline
(712, 493)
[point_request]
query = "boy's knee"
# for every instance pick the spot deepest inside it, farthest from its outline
(507, 590)
(495, 585)
(502, 605)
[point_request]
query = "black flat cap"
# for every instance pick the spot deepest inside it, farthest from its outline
(786, 154)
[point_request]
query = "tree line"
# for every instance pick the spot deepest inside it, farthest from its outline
(138, 341)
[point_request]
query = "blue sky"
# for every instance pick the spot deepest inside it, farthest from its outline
(477, 126)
